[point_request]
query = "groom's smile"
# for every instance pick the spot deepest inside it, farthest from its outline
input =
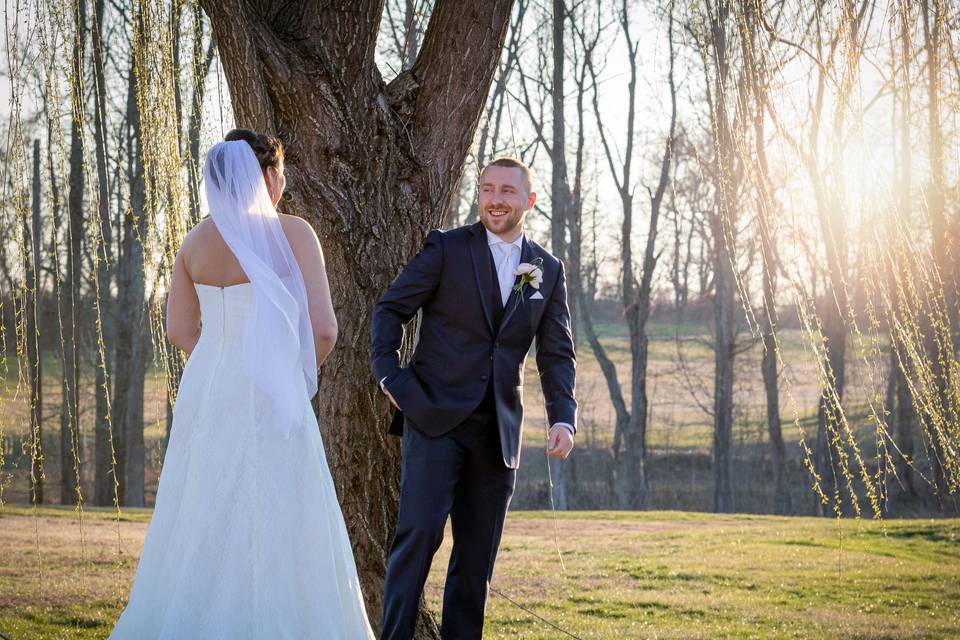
(504, 198)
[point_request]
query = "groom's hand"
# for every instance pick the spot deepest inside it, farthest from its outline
(559, 442)
(384, 389)
(392, 401)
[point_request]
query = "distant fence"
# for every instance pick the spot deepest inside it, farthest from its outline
(678, 480)
(683, 481)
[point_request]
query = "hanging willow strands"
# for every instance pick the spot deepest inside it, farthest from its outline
(165, 172)
(74, 282)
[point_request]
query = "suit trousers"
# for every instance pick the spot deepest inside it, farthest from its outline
(461, 475)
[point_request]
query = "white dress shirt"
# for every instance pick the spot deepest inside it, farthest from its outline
(506, 258)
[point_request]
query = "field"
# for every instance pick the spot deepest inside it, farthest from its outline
(680, 385)
(624, 575)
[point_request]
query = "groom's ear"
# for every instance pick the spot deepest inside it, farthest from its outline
(532, 200)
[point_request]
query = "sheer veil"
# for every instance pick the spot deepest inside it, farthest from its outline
(278, 342)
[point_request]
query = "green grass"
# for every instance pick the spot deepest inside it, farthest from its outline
(624, 575)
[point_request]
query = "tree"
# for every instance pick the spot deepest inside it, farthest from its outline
(725, 170)
(630, 443)
(70, 467)
(31, 268)
(372, 166)
(900, 402)
(491, 123)
(563, 202)
(943, 319)
(756, 86)
(109, 449)
(130, 335)
(821, 155)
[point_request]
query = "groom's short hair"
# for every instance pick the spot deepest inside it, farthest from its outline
(509, 161)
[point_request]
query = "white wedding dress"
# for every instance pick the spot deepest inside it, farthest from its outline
(247, 538)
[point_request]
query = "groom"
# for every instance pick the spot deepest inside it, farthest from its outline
(460, 400)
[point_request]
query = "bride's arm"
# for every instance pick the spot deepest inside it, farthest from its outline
(183, 308)
(309, 256)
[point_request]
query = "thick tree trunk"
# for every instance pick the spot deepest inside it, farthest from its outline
(71, 455)
(372, 167)
(56, 268)
(724, 322)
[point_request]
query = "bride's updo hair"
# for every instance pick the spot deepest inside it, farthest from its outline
(268, 149)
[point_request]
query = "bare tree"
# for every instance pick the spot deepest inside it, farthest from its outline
(630, 446)
(201, 62)
(404, 20)
(757, 77)
(130, 335)
(900, 402)
(940, 336)
(490, 129)
(70, 467)
(713, 38)
(109, 450)
(32, 234)
(200, 69)
(841, 50)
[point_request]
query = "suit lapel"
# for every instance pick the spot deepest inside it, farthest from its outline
(514, 301)
(479, 252)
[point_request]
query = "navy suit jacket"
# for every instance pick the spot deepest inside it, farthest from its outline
(460, 350)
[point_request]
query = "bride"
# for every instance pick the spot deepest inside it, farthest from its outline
(247, 539)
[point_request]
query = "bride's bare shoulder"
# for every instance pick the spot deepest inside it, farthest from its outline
(201, 233)
(296, 228)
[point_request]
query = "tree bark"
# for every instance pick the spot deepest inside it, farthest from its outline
(757, 84)
(109, 450)
(903, 414)
(722, 227)
(200, 69)
(561, 199)
(372, 167)
(941, 329)
(129, 339)
(31, 267)
(70, 466)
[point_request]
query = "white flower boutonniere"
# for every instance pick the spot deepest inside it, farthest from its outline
(528, 273)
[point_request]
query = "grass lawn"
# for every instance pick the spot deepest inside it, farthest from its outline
(626, 575)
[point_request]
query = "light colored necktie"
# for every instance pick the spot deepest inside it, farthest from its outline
(505, 270)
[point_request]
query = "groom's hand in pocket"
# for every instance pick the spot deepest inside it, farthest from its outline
(560, 441)
(384, 389)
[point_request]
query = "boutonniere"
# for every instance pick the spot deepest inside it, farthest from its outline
(528, 273)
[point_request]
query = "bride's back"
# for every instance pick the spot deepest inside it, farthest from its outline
(210, 261)
(205, 259)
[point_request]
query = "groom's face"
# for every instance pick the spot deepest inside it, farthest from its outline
(504, 200)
